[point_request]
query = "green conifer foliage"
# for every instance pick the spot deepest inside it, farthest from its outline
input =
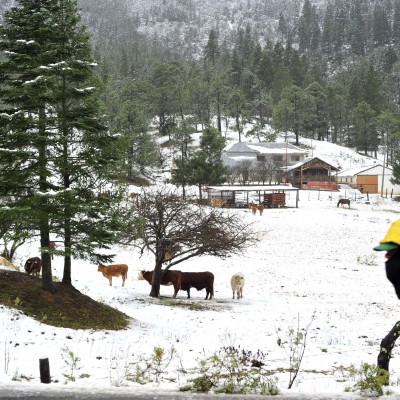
(55, 149)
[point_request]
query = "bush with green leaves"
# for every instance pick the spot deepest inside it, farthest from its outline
(150, 368)
(71, 361)
(232, 370)
(372, 380)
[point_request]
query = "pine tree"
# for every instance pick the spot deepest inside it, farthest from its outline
(364, 124)
(357, 31)
(396, 23)
(205, 166)
(381, 27)
(211, 50)
(61, 149)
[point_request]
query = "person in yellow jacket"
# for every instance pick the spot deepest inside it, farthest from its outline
(391, 244)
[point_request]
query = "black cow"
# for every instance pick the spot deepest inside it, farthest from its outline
(200, 281)
(33, 266)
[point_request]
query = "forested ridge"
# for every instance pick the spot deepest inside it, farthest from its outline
(326, 70)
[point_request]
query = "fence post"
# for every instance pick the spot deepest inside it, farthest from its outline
(44, 367)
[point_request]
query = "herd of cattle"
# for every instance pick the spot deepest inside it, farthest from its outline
(178, 279)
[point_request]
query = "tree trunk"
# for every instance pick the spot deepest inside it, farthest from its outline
(200, 194)
(156, 283)
(47, 278)
(219, 122)
(386, 348)
(67, 257)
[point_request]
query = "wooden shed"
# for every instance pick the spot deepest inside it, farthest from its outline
(237, 196)
(313, 173)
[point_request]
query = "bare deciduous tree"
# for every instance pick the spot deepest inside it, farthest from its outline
(165, 220)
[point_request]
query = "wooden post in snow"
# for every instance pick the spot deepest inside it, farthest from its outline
(44, 367)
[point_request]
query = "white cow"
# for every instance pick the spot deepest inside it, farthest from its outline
(237, 283)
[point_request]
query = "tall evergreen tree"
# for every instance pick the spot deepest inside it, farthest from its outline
(358, 31)
(381, 26)
(364, 124)
(205, 166)
(54, 129)
(396, 23)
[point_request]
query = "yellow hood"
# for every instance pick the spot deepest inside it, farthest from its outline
(392, 236)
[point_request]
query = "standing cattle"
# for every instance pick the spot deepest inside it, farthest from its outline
(253, 208)
(200, 281)
(33, 266)
(169, 278)
(237, 283)
(114, 270)
(343, 202)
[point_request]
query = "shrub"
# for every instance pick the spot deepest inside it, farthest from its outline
(232, 370)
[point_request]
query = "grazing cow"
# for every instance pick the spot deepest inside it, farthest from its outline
(343, 202)
(200, 281)
(33, 266)
(237, 283)
(171, 277)
(114, 270)
(218, 202)
(253, 208)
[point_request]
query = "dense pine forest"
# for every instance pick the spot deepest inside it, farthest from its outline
(327, 70)
(86, 87)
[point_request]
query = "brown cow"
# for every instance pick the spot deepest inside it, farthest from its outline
(260, 208)
(253, 208)
(169, 278)
(215, 202)
(33, 266)
(200, 281)
(114, 270)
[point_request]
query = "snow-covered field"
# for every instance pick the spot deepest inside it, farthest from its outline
(313, 260)
(313, 269)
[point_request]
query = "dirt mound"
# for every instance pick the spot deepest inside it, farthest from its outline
(66, 307)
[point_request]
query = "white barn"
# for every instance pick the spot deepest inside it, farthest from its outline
(373, 178)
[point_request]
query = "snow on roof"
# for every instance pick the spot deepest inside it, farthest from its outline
(251, 188)
(274, 150)
(299, 164)
(356, 170)
(263, 147)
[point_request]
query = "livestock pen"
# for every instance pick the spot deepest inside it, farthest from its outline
(239, 196)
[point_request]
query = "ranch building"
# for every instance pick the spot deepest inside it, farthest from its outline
(282, 154)
(239, 196)
(313, 173)
(374, 178)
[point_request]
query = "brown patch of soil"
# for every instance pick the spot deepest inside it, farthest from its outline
(66, 307)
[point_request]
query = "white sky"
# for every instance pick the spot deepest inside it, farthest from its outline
(316, 259)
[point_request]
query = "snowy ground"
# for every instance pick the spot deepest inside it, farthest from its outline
(313, 260)
(314, 266)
